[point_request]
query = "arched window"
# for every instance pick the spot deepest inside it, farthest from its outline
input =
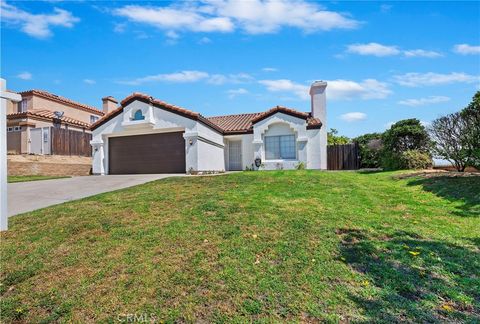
(138, 115)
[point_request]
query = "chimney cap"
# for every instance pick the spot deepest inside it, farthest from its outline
(319, 83)
(109, 98)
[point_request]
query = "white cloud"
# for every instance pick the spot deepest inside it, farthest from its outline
(353, 116)
(119, 27)
(425, 123)
(374, 49)
(431, 78)
(384, 8)
(466, 49)
(423, 101)
(177, 77)
(347, 90)
(89, 81)
(25, 76)
(421, 53)
(172, 35)
(336, 89)
(253, 17)
(269, 69)
(284, 85)
(219, 79)
(236, 92)
(204, 40)
(175, 18)
(36, 25)
(379, 50)
(189, 77)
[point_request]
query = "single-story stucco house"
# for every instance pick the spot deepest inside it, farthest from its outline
(146, 135)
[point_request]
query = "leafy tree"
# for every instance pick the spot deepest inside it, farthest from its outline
(447, 133)
(404, 135)
(471, 117)
(370, 147)
(334, 139)
(457, 136)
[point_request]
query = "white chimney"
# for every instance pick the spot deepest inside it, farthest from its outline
(319, 100)
(108, 104)
(319, 110)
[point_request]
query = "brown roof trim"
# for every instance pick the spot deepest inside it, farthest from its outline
(280, 109)
(47, 115)
(54, 97)
(136, 96)
(238, 132)
(316, 126)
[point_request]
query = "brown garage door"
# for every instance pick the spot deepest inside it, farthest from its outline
(152, 153)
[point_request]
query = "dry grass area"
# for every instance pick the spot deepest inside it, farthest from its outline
(279, 246)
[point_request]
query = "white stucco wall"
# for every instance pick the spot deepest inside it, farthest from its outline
(158, 120)
(281, 124)
(248, 156)
(207, 149)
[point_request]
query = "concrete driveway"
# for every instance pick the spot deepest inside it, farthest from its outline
(27, 196)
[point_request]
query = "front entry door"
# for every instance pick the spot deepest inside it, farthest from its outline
(235, 155)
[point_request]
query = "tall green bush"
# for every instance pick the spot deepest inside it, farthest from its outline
(370, 148)
(404, 135)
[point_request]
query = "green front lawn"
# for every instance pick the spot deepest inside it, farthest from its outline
(12, 179)
(251, 246)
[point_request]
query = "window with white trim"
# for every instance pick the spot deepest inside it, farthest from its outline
(23, 105)
(280, 147)
(17, 128)
(93, 119)
(9, 129)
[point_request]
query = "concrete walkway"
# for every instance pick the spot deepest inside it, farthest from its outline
(27, 196)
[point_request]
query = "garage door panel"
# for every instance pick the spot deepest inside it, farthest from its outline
(152, 153)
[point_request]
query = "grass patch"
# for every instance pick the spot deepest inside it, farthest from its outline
(253, 246)
(12, 179)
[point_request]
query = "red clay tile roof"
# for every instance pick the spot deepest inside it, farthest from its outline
(234, 123)
(281, 109)
(159, 104)
(243, 123)
(229, 124)
(63, 100)
(48, 115)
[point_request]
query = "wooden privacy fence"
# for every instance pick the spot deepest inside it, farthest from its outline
(70, 142)
(343, 157)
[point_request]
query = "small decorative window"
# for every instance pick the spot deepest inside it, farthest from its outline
(280, 147)
(17, 128)
(23, 105)
(9, 129)
(93, 119)
(138, 115)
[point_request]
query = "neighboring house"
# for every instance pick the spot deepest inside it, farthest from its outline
(29, 122)
(146, 135)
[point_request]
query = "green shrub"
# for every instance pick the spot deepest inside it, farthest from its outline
(300, 166)
(405, 135)
(414, 159)
(370, 146)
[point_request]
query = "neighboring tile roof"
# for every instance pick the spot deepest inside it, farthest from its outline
(64, 100)
(229, 124)
(47, 115)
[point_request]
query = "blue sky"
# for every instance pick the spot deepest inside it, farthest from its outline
(384, 61)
